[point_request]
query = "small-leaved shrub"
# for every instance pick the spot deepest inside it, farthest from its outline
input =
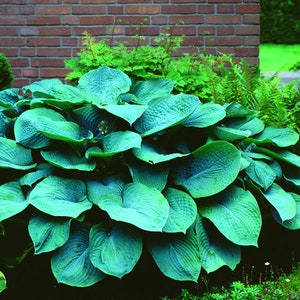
(112, 167)
(217, 79)
(6, 75)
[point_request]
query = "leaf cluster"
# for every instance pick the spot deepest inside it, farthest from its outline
(112, 167)
(211, 78)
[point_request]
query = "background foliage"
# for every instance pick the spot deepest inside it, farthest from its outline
(6, 75)
(280, 23)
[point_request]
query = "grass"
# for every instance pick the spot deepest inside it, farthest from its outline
(278, 58)
(271, 287)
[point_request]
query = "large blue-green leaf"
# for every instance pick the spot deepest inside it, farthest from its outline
(9, 97)
(166, 111)
(12, 200)
(147, 90)
(116, 142)
(183, 211)
(41, 171)
(236, 110)
(68, 160)
(282, 201)
(254, 125)
(14, 156)
(209, 170)
(61, 130)
(205, 115)
(128, 112)
(177, 255)
(2, 282)
(139, 205)
(44, 86)
(59, 196)
(261, 173)
(293, 223)
(230, 134)
(105, 84)
(115, 249)
(26, 131)
(71, 264)
(281, 137)
(48, 233)
(155, 176)
(215, 250)
(236, 214)
(154, 154)
(111, 185)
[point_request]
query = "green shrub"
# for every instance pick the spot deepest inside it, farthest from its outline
(110, 167)
(279, 22)
(213, 79)
(6, 76)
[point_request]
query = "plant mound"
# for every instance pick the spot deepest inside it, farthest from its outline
(112, 167)
(6, 76)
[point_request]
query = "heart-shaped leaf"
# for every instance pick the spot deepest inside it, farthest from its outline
(14, 156)
(59, 196)
(148, 90)
(205, 115)
(282, 137)
(166, 111)
(116, 142)
(294, 223)
(71, 264)
(12, 200)
(236, 214)
(48, 233)
(139, 205)
(183, 211)
(209, 170)
(68, 160)
(115, 249)
(261, 173)
(26, 131)
(282, 201)
(177, 255)
(105, 84)
(215, 250)
(154, 155)
(155, 176)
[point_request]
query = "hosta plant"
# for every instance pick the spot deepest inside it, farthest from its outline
(105, 170)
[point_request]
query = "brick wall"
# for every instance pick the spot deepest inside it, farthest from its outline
(37, 35)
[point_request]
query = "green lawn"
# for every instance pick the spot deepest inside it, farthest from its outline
(278, 58)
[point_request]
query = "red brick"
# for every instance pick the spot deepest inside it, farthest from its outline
(44, 20)
(206, 30)
(193, 19)
(222, 1)
(54, 31)
(178, 9)
(19, 62)
(251, 41)
(223, 41)
(27, 52)
(225, 9)
(53, 72)
(134, 1)
(69, 20)
(206, 9)
(251, 19)
(159, 20)
(142, 9)
(94, 20)
(47, 62)
(29, 30)
(53, 52)
(30, 72)
(222, 19)
(43, 41)
(10, 51)
(12, 42)
(12, 20)
(70, 41)
(248, 30)
(92, 30)
(90, 10)
(225, 30)
(53, 10)
(248, 9)
(132, 20)
(246, 51)
(115, 10)
(145, 31)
